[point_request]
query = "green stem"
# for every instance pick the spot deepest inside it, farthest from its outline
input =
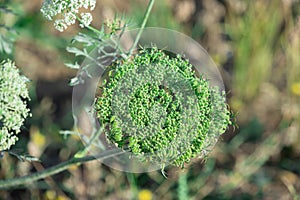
(146, 16)
(84, 152)
(9, 183)
(90, 27)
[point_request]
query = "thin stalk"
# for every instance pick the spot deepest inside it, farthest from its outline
(9, 183)
(84, 152)
(146, 16)
(90, 27)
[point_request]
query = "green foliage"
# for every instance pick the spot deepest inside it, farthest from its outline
(103, 42)
(254, 53)
(7, 33)
(13, 110)
(157, 107)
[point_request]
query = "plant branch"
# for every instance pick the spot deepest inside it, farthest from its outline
(9, 183)
(145, 19)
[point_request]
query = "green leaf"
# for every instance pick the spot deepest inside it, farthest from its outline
(73, 66)
(75, 81)
(77, 51)
(6, 44)
(83, 38)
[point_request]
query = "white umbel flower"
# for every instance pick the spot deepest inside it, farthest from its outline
(13, 109)
(60, 25)
(86, 19)
(92, 4)
(70, 18)
(67, 11)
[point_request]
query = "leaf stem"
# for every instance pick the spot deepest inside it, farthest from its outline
(145, 19)
(9, 183)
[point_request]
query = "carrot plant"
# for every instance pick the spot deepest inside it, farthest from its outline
(151, 104)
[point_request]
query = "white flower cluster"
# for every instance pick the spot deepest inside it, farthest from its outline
(68, 10)
(13, 109)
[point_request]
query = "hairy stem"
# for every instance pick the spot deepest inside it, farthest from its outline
(9, 183)
(145, 19)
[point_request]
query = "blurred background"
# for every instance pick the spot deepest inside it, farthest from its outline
(255, 44)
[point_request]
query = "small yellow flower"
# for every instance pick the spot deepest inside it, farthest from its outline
(50, 195)
(60, 197)
(37, 137)
(73, 167)
(145, 195)
(295, 88)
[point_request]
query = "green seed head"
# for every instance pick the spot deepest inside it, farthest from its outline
(156, 107)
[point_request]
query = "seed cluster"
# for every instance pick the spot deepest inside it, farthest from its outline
(155, 106)
(13, 110)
